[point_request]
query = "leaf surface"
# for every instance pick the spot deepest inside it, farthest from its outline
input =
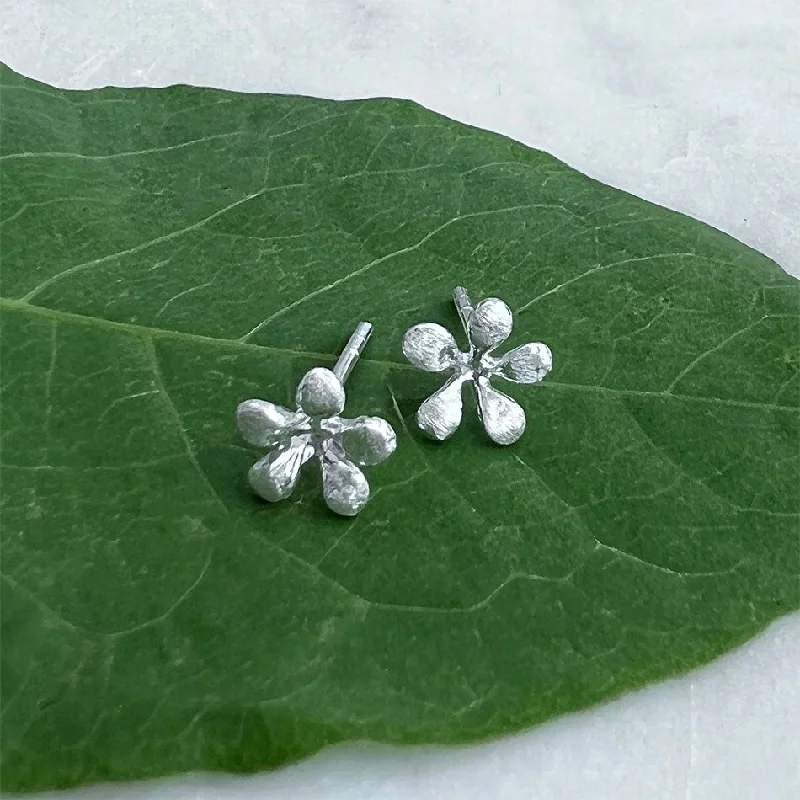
(169, 253)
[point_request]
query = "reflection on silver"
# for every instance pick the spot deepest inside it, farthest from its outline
(432, 348)
(315, 430)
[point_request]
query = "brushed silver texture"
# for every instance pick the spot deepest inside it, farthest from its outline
(317, 431)
(488, 324)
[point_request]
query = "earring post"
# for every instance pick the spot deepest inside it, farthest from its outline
(352, 350)
(463, 305)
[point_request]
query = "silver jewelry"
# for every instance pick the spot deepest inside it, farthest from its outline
(316, 430)
(432, 348)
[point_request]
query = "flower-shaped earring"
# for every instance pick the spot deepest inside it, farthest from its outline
(432, 348)
(316, 430)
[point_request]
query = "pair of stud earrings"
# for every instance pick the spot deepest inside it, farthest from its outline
(343, 446)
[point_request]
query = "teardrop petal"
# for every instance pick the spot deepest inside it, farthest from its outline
(490, 323)
(440, 415)
(265, 424)
(527, 364)
(368, 440)
(502, 417)
(320, 393)
(274, 476)
(430, 347)
(344, 486)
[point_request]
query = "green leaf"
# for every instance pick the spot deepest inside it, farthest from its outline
(169, 253)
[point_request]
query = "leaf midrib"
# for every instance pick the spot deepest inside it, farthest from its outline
(151, 334)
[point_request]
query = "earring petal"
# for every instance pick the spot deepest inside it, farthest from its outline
(490, 323)
(367, 440)
(502, 417)
(529, 363)
(440, 415)
(265, 424)
(430, 347)
(274, 476)
(320, 393)
(344, 486)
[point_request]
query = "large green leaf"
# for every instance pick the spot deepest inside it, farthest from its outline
(168, 253)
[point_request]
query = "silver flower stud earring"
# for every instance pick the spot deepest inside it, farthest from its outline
(316, 430)
(432, 348)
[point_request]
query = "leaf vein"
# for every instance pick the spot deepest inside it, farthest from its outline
(383, 259)
(600, 268)
(109, 156)
(716, 348)
(145, 245)
(166, 333)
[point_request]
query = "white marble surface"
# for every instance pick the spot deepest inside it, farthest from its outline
(694, 104)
